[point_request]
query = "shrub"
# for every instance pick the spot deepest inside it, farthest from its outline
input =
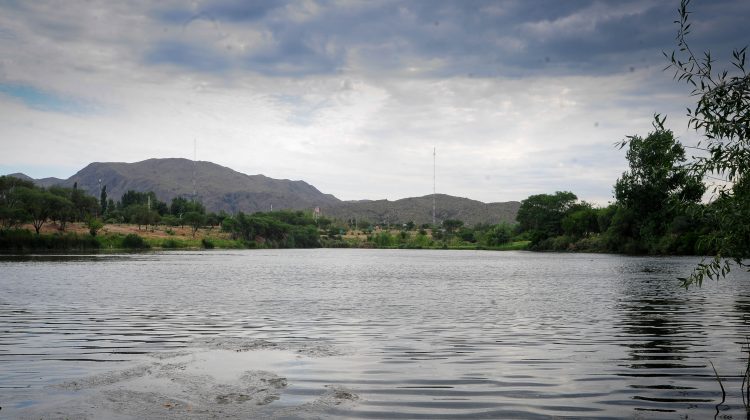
(133, 241)
(205, 243)
(24, 240)
(170, 244)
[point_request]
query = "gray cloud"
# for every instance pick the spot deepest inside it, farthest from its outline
(481, 38)
(520, 97)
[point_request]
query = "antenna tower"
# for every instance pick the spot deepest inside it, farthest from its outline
(195, 157)
(433, 185)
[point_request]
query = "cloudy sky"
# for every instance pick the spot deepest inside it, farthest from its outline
(519, 97)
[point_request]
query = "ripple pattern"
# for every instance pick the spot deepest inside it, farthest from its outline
(416, 334)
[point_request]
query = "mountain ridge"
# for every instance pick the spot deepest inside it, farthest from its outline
(222, 188)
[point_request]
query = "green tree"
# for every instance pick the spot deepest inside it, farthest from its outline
(383, 239)
(85, 205)
(722, 116)
(541, 215)
(94, 225)
(498, 235)
(657, 187)
(39, 205)
(195, 220)
(213, 219)
(452, 225)
(141, 215)
(12, 212)
(64, 210)
(147, 199)
(180, 206)
(103, 200)
(581, 220)
(131, 197)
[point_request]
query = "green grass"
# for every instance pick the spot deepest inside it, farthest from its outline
(512, 246)
(24, 240)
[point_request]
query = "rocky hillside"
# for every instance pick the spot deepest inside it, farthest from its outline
(419, 210)
(218, 187)
(221, 188)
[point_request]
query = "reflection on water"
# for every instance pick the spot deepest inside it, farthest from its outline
(412, 333)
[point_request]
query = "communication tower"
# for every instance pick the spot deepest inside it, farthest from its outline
(434, 152)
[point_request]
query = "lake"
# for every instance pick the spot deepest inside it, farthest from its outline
(356, 333)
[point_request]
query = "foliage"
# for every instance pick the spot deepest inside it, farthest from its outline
(103, 200)
(141, 215)
(171, 244)
(94, 225)
(497, 235)
(658, 186)
(24, 240)
(581, 220)
(12, 210)
(541, 215)
(283, 229)
(39, 205)
(195, 220)
(169, 220)
(383, 239)
(722, 115)
(133, 241)
(451, 225)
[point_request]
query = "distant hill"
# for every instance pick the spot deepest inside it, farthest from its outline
(222, 188)
(419, 210)
(43, 182)
(218, 187)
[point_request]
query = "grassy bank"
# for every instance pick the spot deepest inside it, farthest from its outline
(114, 237)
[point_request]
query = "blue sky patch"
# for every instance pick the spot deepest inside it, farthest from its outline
(45, 100)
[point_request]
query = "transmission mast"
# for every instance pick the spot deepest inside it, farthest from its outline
(433, 185)
(195, 157)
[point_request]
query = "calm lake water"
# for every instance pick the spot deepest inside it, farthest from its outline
(367, 333)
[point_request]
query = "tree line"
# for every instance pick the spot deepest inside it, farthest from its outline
(22, 203)
(657, 208)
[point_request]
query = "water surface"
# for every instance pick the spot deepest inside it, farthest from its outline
(368, 333)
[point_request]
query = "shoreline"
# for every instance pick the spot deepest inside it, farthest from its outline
(128, 238)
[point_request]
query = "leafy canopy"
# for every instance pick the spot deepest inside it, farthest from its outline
(722, 115)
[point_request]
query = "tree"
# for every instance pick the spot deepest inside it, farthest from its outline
(12, 217)
(39, 205)
(498, 235)
(541, 215)
(195, 220)
(94, 225)
(658, 184)
(581, 220)
(722, 116)
(62, 211)
(84, 204)
(12, 212)
(141, 215)
(451, 225)
(103, 200)
(147, 199)
(181, 206)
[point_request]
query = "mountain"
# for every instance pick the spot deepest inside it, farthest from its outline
(218, 187)
(222, 188)
(43, 182)
(419, 210)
